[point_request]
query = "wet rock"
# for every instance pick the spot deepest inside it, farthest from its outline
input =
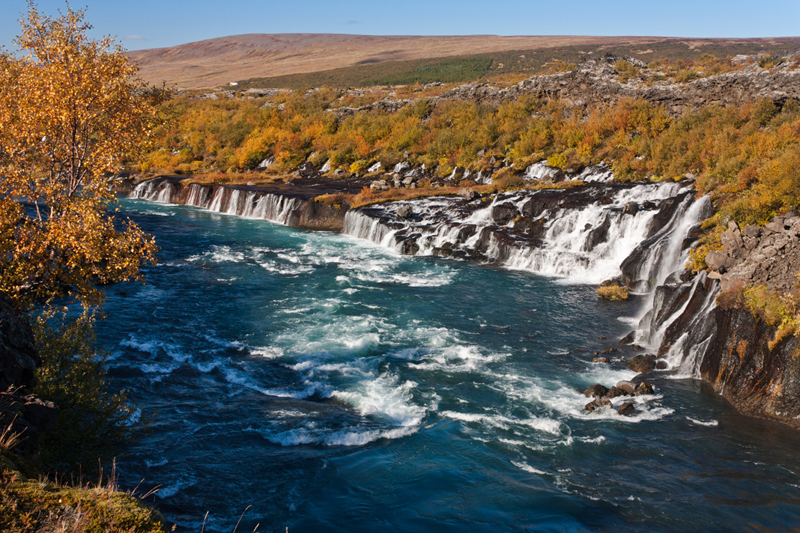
(628, 339)
(643, 388)
(596, 404)
(626, 408)
(604, 360)
(615, 392)
(643, 363)
(596, 390)
(631, 208)
(661, 365)
(504, 213)
(598, 235)
(626, 386)
(404, 211)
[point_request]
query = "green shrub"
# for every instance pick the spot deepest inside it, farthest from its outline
(92, 423)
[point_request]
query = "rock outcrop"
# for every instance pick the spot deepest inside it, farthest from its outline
(596, 81)
(25, 414)
(748, 361)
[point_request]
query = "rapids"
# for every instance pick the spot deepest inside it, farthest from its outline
(335, 385)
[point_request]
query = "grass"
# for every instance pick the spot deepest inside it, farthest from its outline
(33, 505)
(512, 63)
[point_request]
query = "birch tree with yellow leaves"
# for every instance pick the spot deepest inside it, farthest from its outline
(71, 111)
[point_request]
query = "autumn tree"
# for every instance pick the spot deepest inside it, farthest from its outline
(71, 110)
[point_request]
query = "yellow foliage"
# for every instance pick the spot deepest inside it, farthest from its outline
(71, 110)
(613, 293)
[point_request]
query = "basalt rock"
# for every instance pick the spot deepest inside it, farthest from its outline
(626, 408)
(596, 390)
(18, 356)
(597, 403)
(643, 363)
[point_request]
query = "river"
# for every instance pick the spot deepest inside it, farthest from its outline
(331, 384)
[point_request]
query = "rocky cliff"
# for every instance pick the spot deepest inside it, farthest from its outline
(750, 359)
(20, 411)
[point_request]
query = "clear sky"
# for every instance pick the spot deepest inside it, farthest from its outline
(141, 24)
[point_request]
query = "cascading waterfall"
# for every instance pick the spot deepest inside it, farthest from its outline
(570, 247)
(161, 191)
(226, 200)
(197, 196)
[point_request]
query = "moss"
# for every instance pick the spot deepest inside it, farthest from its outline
(41, 505)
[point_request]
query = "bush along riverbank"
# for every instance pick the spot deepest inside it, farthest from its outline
(38, 436)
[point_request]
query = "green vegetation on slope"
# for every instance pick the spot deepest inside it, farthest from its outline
(518, 63)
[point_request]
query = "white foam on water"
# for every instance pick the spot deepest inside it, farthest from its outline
(385, 397)
(545, 425)
(459, 358)
(157, 368)
(269, 352)
(528, 468)
(706, 423)
(349, 437)
(219, 254)
(155, 347)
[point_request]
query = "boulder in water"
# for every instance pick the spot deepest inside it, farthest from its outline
(631, 208)
(595, 390)
(626, 386)
(643, 363)
(626, 408)
(597, 403)
(404, 211)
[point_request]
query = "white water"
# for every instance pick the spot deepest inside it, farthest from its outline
(567, 251)
(225, 200)
(594, 173)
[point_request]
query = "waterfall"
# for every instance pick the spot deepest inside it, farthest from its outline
(226, 200)
(216, 200)
(198, 194)
(585, 244)
(155, 190)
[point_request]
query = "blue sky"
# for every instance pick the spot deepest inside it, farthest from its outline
(155, 23)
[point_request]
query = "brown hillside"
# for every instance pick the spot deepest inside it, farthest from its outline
(216, 62)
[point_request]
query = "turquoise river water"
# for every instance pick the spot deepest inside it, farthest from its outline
(333, 385)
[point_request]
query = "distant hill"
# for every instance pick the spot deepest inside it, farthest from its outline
(296, 60)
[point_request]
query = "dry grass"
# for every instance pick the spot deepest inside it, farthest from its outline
(42, 505)
(217, 62)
